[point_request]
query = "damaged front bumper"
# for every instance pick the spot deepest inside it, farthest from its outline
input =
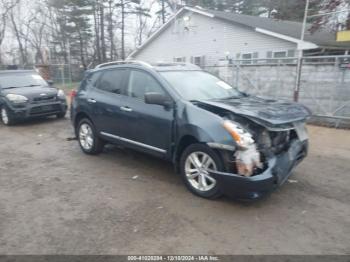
(278, 170)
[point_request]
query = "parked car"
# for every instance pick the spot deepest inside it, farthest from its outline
(25, 94)
(221, 141)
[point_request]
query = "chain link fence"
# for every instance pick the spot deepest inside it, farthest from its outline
(324, 83)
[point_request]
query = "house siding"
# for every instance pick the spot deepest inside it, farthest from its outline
(211, 39)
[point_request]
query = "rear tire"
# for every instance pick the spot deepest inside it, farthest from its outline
(88, 140)
(6, 118)
(195, 162)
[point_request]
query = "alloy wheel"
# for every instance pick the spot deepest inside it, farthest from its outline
(86, 136)
(197, 167)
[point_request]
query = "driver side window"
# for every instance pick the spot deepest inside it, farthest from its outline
(141, 83)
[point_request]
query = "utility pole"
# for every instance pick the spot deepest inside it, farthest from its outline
(300, 54)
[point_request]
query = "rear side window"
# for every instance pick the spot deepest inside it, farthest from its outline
(141, 83)
(90, 81)
(112, 81)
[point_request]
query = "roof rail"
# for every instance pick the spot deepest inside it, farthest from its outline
(123, 62)
(183, 64)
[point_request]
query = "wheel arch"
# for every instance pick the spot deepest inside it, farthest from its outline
(183, 143)
(79, 117)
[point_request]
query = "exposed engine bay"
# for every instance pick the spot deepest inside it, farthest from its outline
(257, 141)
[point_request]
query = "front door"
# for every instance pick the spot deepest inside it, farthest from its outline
(148, 127)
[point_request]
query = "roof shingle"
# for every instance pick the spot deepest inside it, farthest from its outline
(321, 38)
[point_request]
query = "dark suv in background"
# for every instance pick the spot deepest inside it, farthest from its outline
(25, 94)
(221, 140)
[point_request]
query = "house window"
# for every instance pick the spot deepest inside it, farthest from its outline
(280, 54)
(291, 53)
(247, 58)
(180, 59)
(198, 60)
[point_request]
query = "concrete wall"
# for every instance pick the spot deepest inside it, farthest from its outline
(324, 88)
(210, 38)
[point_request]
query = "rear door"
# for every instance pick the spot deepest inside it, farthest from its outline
(105, 98)
(148, 127)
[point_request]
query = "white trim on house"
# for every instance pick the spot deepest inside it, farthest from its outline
(198, 11)
(302, 45)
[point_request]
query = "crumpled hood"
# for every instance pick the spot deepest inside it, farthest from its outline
(31, 92)
(271, 111)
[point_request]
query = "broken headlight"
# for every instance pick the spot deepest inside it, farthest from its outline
(247, 156)
(242, 137)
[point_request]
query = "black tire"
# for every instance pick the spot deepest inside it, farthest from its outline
(97, 143)
(10, 121)
(213, 193)
(61, 115)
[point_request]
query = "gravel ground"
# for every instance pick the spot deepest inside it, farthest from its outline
(56, 200)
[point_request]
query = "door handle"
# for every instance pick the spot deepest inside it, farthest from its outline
(126, 108)
(92, 101)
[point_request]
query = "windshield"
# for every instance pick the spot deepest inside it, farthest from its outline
(21, 80)
(199, 85)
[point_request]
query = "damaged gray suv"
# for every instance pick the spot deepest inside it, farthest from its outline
(220, 140)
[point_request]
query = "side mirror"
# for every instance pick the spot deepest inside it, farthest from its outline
(157, 99)
(50, 82)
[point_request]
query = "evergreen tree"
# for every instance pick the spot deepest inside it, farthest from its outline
(74, 29)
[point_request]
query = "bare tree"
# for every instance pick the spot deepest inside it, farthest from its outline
(17, 30)
(331, 21)
(36, 32)
(5, 8)
(142, 13)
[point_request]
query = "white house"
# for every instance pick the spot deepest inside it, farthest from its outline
(206, 37)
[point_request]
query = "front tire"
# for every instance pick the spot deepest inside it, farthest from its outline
(61, 115)
(89, 142)
(6, 118)
(195, 163)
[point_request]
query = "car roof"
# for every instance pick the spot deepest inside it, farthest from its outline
(158, 66)
(17, 72)
(161, 67)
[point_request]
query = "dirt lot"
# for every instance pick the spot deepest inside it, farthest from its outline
(56, 200)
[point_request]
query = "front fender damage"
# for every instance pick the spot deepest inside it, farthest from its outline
(278, 169)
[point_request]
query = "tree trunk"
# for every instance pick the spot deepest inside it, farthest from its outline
(81, 44)
(123, 28)
(97, 34)
(18, 38)
(140, 30)
(103, 42)
(163, 12)
(110, 30)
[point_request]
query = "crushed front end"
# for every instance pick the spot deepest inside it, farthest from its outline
(263, 164)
